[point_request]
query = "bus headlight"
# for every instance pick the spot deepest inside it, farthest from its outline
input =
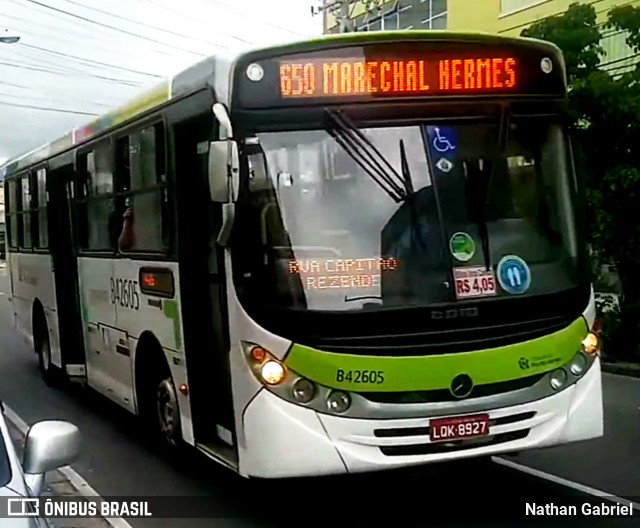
(272, 372)
(578, 365)
(276, 377)
(591, 344)
(264, 366)
(303, 390)
(558, 379)
(338, 401)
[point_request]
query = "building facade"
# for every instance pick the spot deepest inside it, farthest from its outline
(391, 15)
(504, 17)
(510, 17)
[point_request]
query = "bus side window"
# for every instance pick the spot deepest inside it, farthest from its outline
(25, 213)
(95, 199)
(13, 207)
(146, 195)
(42, 229)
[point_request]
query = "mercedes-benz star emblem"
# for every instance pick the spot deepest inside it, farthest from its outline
(461, 386)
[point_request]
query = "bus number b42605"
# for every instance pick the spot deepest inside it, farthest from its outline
(360, 376)
(125, 293)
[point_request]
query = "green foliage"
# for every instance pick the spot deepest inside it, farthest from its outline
(608, 312)
(605, 107)
(576, 33)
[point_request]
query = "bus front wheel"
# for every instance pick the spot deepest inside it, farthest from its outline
(157, 396)
(168, 412)
(42, 347)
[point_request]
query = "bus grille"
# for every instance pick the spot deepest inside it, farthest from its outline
(443, 395)
(456, 445)
(449, 447)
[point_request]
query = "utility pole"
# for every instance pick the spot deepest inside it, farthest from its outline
(342, 10)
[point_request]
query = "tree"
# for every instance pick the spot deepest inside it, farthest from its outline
(605, 108)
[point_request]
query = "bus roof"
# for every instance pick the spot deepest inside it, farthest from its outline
(211, 72)
(214, 72)
(409, 34)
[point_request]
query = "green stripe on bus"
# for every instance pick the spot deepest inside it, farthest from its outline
(391, 374)
(170, 310)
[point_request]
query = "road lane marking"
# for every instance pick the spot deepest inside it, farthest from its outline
(564, 482)
(80, 484)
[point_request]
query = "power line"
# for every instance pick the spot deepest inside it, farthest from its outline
(44, 92)
(246, 15)
(47, 109)
(6, 83)
(167, 8)
(87, 74)
(58, 99)
(85, 19)
(63, 65)
(19, 54)
(182, 35)
(60, 68)
(92, 61)
(83, 36)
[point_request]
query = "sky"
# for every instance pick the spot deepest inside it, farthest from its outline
(77, 58)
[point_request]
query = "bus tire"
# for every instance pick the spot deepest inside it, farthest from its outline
(42, 346)
(158, 397)
(168, 413)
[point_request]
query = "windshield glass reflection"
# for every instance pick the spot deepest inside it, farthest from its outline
(338, 227)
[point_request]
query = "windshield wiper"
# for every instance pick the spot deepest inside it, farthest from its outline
(364, 153)
(411, 195)
(481, 211)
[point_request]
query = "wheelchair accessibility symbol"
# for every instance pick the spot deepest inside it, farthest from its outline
(441, 143)
(514, 275)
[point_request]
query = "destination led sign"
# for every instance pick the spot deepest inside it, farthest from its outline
(396, 71)
(326, 78)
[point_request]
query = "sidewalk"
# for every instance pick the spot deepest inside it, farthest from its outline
(57, 485)
(622, 367)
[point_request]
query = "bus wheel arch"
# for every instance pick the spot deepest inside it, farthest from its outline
(42, 343)
(156, 394)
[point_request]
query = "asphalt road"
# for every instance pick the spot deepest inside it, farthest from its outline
(118, 460)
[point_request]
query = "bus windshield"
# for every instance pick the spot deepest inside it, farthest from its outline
(331, 225)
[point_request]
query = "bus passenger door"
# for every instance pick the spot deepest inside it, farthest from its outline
(97, 225)
(63, 259)
(202, 289)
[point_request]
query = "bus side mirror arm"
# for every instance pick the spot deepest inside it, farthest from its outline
(228, 216)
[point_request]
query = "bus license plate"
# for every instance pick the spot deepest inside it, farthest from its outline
(474, 281)
(448, 429)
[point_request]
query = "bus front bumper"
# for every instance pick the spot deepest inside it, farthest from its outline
(287, 440)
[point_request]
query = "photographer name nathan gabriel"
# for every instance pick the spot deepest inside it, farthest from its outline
(587, 509)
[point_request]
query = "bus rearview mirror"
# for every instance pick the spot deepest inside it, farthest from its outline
(234, 170)
(224, 171)
(218, 171)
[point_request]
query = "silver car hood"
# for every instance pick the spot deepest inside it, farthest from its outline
(16, 522)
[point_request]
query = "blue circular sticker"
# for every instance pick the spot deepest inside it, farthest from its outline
(514, 275)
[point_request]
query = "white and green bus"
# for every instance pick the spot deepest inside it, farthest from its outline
(343, 255)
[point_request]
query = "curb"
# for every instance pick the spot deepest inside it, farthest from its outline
(625, 369)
